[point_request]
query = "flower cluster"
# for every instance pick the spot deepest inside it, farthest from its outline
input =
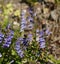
(18, 48)
(41, 39)
(48, 32)
(30, 37)
(23, 20)
(8, 39)
(41, 33)
(25, 40)
(30, 19)
(26, 22)
(31, 11)
(42, 42)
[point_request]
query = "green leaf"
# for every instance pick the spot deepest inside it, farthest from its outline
(17, 13)
(4, 24)
(13, 52)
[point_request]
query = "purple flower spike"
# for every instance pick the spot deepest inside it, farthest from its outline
(42, 39)
(24, 20)
(17, 48)
(30, 26)
(21, 54)
(19, 51)
(41, 33)
(0, 38)
(8, 39)
(1, 35)
(42, 42)
(30, 37)
(12, 32)
(48, 32)
(5, 45)
(37, 31)
(20, 39)
(30, 11)
(30, 18)
(23, 13)
(42, 45)
(8, 43)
